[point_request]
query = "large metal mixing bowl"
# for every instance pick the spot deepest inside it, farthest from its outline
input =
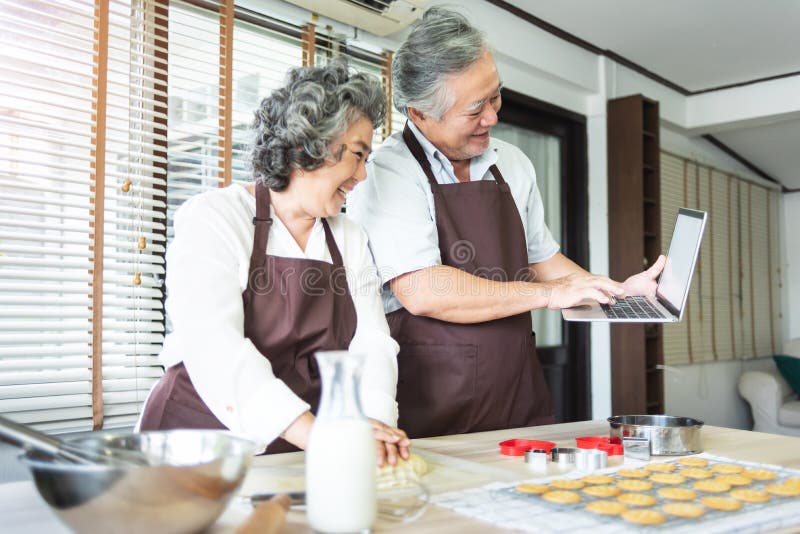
(191, 476)
(667, 435)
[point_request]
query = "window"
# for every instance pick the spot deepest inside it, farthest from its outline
(112, 113)
(734, 305)
(81, 196)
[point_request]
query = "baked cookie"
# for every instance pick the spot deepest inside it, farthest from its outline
(735, 480)
(598, 479)
(750, 495)
(565, 484)
(683, 509)
(696, 473)
(711, 486)
(760, 474)
(562, 497)
(634, 485)
(726, 504)
(602, 491)
(533, 489)
(667, 478)
(665, 467)
(677, 494)
(637, 499)
(606, 507)
(643, 517)
(633, 473)
(727, 469)
(783, 490)
(793, 482)
(692, 461)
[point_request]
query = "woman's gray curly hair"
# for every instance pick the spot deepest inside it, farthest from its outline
(295, 126)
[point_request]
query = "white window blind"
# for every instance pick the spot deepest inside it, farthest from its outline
(197, 86)
(62, 99)
(734, 304)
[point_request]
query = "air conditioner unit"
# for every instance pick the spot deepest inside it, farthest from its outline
(379, 17)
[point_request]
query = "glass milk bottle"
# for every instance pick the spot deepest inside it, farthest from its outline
(340, 457)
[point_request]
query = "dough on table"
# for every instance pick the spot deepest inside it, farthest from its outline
(390, 476)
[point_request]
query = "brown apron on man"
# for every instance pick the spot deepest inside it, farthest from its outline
(293, 307)
(457, 378)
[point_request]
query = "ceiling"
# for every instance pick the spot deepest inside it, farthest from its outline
(699, 45)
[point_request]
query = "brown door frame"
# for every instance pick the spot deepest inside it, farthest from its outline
(568, 366)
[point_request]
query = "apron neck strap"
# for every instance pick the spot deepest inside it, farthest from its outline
(262, 222)
(419, 154)
(333, 248)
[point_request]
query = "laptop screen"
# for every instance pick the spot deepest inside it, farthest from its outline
(673, 286)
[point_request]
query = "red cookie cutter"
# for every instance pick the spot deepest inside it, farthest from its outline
(517, 447)
(613, 446)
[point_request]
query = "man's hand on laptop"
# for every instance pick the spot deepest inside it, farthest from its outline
(573, 289)
(645, 282)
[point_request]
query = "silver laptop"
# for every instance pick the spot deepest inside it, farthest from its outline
(673, 286)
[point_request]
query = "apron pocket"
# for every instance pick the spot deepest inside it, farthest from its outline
(436, 388)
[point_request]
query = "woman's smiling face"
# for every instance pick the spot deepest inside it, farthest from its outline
(321, 192)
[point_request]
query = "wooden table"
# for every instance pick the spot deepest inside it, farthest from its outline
(24, 512)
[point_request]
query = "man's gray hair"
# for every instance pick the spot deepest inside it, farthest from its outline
(295, 126)
(443, 43)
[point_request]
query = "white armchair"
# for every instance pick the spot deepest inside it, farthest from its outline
(775, 406)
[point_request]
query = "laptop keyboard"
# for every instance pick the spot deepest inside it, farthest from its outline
(632, 308)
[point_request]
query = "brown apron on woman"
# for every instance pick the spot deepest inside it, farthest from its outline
(293, 307)
(457, 378)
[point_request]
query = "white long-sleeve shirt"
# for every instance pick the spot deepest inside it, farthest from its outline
(208, 263)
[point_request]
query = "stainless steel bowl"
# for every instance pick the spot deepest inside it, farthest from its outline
(191, 476)
(668, 435)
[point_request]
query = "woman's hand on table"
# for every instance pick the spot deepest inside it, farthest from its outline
(390, 443)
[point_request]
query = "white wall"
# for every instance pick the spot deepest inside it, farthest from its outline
(536, 63)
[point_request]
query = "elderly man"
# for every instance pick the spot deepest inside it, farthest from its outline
(456, 227)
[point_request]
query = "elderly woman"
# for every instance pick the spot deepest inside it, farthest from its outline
(247, 317)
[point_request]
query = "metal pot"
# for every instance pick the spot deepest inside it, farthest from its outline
(666, 435)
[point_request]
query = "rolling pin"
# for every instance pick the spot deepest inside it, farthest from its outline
(266, 518)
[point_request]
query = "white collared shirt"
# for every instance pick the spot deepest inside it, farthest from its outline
(395, 205)
(209, 261)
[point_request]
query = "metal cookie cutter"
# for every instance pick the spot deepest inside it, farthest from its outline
(536, 459)
(636, 448)
(589, 460)
(564, 456)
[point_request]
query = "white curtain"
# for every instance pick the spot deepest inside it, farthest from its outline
(543, 151)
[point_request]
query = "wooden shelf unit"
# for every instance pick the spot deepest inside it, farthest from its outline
(634, 228)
